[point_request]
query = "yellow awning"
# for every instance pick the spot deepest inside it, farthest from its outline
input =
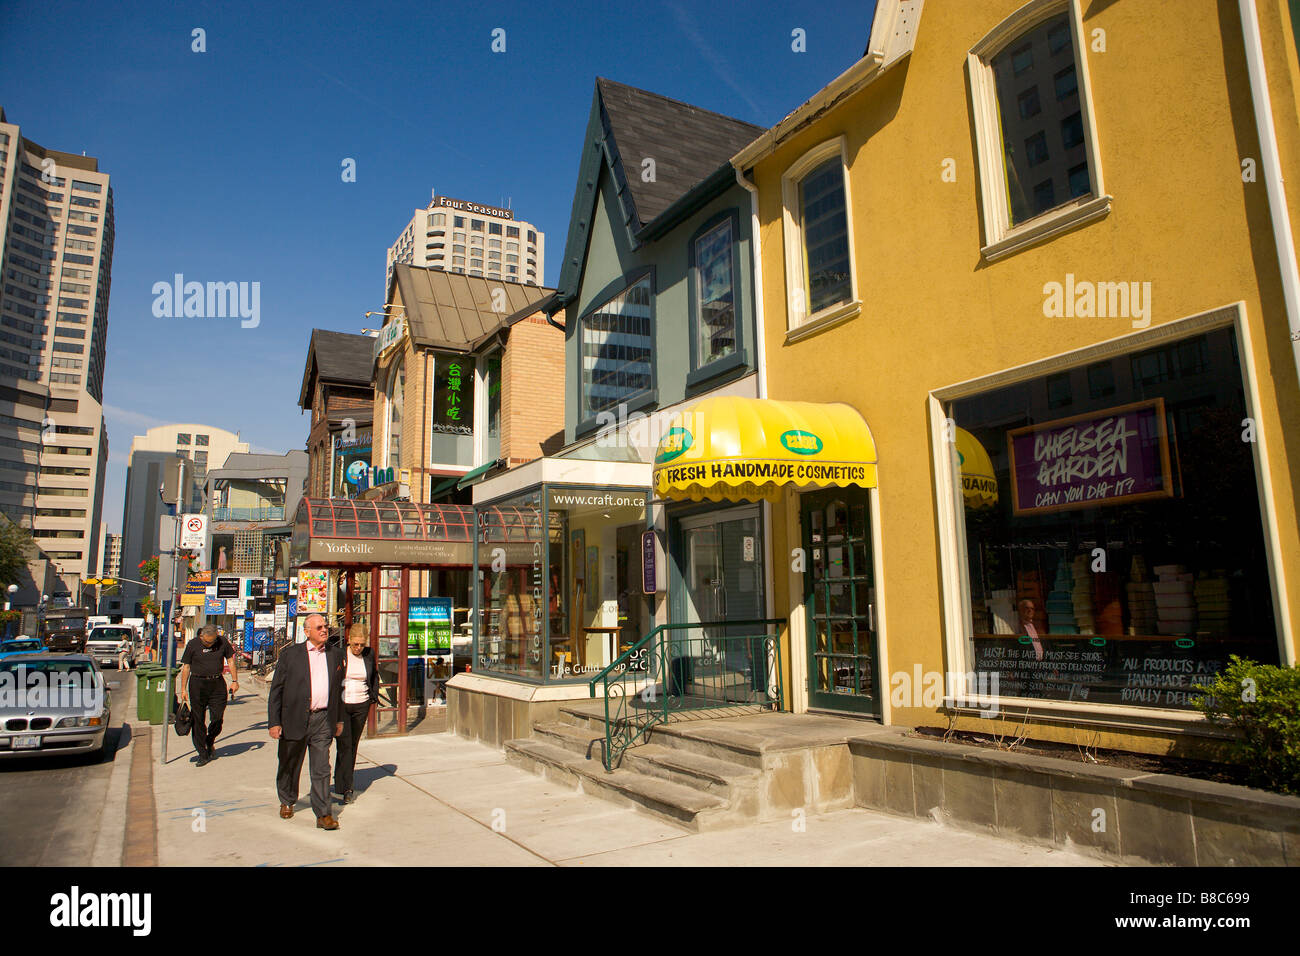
(978, 483)
(738, 449)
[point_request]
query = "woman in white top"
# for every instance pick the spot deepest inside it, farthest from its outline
(360, 691)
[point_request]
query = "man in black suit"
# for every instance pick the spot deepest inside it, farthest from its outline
(304, 713)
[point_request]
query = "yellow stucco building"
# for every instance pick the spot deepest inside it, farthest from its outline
(1044, 250)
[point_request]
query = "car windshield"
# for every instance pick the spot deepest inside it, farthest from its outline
(110, 634)
(12, 647)
(55, 665)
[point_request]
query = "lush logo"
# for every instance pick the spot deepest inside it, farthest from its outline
(801, 443)
(673, 445)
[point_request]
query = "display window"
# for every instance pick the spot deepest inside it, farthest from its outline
(560, 573)
(1116, 552)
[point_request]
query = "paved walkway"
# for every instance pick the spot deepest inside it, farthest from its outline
(439, 800)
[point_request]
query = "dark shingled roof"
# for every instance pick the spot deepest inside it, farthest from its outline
(339, 357)
(687, 143)
(454, 311)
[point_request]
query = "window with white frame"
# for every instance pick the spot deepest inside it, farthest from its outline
(1039, 167)
(395, 394)
(821, 285)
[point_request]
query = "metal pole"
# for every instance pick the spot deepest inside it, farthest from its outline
(168, 654)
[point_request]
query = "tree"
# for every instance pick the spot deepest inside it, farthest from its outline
(15, 546)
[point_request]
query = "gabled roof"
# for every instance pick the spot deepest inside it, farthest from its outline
(451, 310)
(691, 149)
(686, 143)
(339, 357)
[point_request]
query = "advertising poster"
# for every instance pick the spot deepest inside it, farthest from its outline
(227, 587)
(428, 626)
(248, 635)
(313, 591)
(351, 462)
(214, 605)
(1116, 456)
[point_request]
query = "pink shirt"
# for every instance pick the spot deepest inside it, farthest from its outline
(320, 677)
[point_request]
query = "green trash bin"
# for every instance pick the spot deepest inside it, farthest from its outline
(159, 709)
(172, 704)
(142, 674)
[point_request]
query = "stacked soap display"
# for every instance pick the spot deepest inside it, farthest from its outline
(1141, 598)
(1109, 611)
(1212, 603)
(1175, 606)
(1029, 586)
(1002, 606)
(1060, 602)
(1082, 596)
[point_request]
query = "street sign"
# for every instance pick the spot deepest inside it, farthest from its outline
(194, 532)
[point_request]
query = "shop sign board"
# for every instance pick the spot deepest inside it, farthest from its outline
(281, 616)
(1116, 456)
(428, 626)
(234, 606)
(390, 335)
(214, 605)
(649, 560)
(227, 587)
(280, 587)
(453, 396)
(263, 613)
(257, 587)
(313, 590)
(410, 552)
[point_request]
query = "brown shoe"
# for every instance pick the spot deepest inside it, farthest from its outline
(286, 811)
(327, 823)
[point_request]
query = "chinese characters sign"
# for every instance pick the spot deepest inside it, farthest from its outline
(453, 395)
(1116, 456)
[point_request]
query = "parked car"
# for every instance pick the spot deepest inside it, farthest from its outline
(54, 704)
(21, 645)
(105, 644)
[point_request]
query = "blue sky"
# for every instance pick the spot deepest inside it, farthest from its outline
(226, 164)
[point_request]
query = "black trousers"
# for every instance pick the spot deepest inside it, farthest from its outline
(207, 697)
(354, 724)
(291, 752)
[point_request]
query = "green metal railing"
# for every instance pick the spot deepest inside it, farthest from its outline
(668, 672)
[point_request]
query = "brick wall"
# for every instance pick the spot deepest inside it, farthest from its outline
(532, 401)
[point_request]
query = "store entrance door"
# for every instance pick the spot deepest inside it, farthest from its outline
(722, 576)
(388, 630)
(840, 602)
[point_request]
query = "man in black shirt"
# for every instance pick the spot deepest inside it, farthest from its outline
(202, 685)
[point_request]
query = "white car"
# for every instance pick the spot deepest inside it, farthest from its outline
(106, 642)
(54, 704)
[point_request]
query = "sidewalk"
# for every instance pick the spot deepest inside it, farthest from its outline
(439, 800)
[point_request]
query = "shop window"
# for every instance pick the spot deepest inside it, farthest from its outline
(821, 285)
(1123, 557)
(617, 345)
(511, 636)
(1012, 122)
(492, 383)
(451, 440)
(395, 401)
(714, 319)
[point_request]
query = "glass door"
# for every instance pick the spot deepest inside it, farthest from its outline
(840, 601)
(389, 640)
(722, 576)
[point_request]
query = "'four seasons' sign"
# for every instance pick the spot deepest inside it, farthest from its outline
(1119, 455)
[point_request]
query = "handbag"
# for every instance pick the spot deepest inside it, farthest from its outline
(184, 721)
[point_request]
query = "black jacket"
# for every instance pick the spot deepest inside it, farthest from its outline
(289, 702)
(372, 673)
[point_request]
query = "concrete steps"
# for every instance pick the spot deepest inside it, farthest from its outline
(706, 770)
